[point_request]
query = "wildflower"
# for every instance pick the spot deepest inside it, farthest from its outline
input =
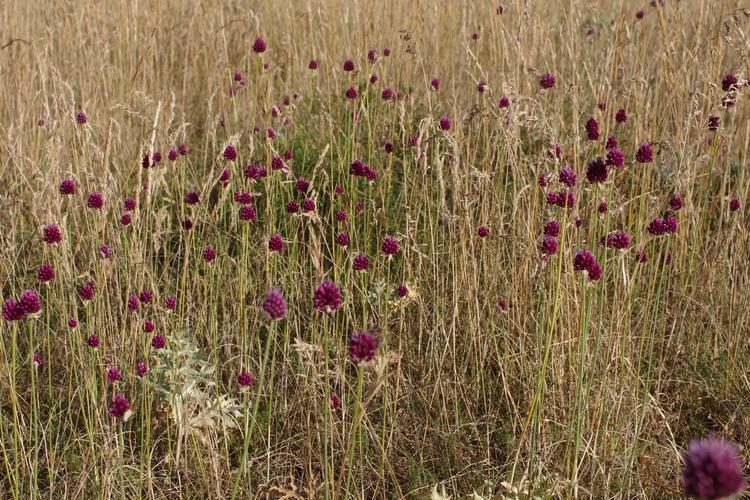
(583, 260)
(567, 176)
(390, 246)
(734, 204)
(36, 358)
(68, 187)
(173, 154)
(170, 303)
(481, 87)
(120, 408)
(670, 224)
(621, 117)
(502, 304)
(308, 205)
(435, 84)
(245, 380)
(644, 154)
(81, 118)
(113, 375)
(87, 290)
(713, 122)
(93, 341)
(592, 129)
(274, 306)
(302, 185)
(129, 204)
(72, 323)
(362, 347)
(182, 149)
(148, 326)
(552, 228)
(126, 219)
(387, 94)
(475, 36)
(133, 303)
(141, 368)
(500, 8)
(342, 239)
(348, 65)
(105, 251)
(46, 273)
(445, 123)
(146, 296)
(594, 272)
(729, 82)
(639, 15)
(611, 142)
(615, 158)
(313, 65)
(158, 341)
(209, 254)
(351, 93)
(335, 402)
(543, 179)
(549, 245)
(277, 163)
(224, 177)
(712, 469)
(192, 198)
(657, 227)
(386, 52)
(361, 262)
(13, 311)
(248, 213)
(597, 171)
(292, 207)
(504, 102)
(402, 290)
(373, 79)
(327, 297)
(259, 45)
(618, 240)
(275, 243)
(483, 231)
(230, 153)
(95, 200)
(547, 81)
(641, 256)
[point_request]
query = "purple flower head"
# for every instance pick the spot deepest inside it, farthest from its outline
(618, 240)
(148, 326)
(72, 323)
(543, 179)
(156, 157)
(712, 469)
(146, 296)
(95, 200)
(341, 216)
(351, 93)
(170, 303)
(502, 303)
(615, 158)
(670, 224)
(129, 204)
(641, 256)
(348, 65)
(277, 163)
(334, 401)
(551, 228)
(81, 118)
(308, 205)
(192, 198)
(126, 219)
(621, 117)
(158, 342)
(547, 81)
(46, 273)
(445, 123)
(597, 171)
(675, 202)
(68, 187)
(481, 87)
(243, 197)
(549, 245)
(327, 297)
(713, 122)
(141, 368)
(639, 15)
(173, 154)
(113, 375)
(87, 291)
(342, 239)
(373, 79)
(390, 246)
(388, 147)
(734, 204)
(611, 142)
(120, 408)
(248, 213)
(245, 380)
(363, 347)
(259, 45)
(645, 153)
(292, 207)
(435, 84)
(313, 65)
(595, 272)
(402, 290)
(504, 102)
(37, 360)
(387, 94)
(483, 231)
(13, 311)
(729, 82)
(225, 176)
(361, 262)
(230, 153)
(276, 243)
(105, 251)
(603, 208)
(302, 185)
(567, 176)
(274, 306)
(209, 254)
(93, 341)
(583, 260)
(133, 303)
(657, 227)
(386, 52)
(500, 8)
(592, 129)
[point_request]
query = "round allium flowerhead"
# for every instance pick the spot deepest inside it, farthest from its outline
(351, 93)
(259, 45)
(342, 239)
(248, 213)
(245, 380)
(129, 204)
(670, 224)
(209, 254)
(141, 368)
(13, 311)
(675, 202)
(120, 408)
(435, 84)
(734, 204)
(621, 117)
(146, 162)
(645, 153)
(445, 123)
(640, 14)
(543, 179)
(615, 158)
(68, 187)
(549, 245)
(156, 157)
(274, 306)
(335, 401)
(592, 129)
(657, 227)
(729, 82)
(192, 198)
(230, 153)
(276, 243)
(37, 360)
(388, 147)
(148, 326)
(611, 142)
(641, 256)
(547, 81)
(504, 102)
(390, 246)
(95, 200)
(243, 197)
(133, 303)
(552, 228)
(373, 79)
(500, 8)
(93, 341)
(87, 291)
(341, 216)
(173, 154)
(481, 87)
(327, 297)
(302, 185)
(712, 469)
(619, 240)
(170, 303)
(387, 93)
(361, 262)
(597, 171)
(114, 375)
(146, 296)
(713, 122)
(72, 323)
(277, 163)
(292, 207)
(348, 65)
(313, 65)
(105, 251)
(126, 219)
(567, 176)
(363, 346)
(226, 174)
(308, 205)
(158, 341)
(502, 303)
(595, 272)
(583, 260)
(81, 118)
(402, 290)
(386, 52)
(475, 36)
(483, 231)
(46, 273)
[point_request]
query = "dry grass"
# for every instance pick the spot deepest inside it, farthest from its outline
(588, 389)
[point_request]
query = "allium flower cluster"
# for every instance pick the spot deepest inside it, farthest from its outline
(563, 198)
(274, 305)
(713, 469)
(327, 297)
(363, 347)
